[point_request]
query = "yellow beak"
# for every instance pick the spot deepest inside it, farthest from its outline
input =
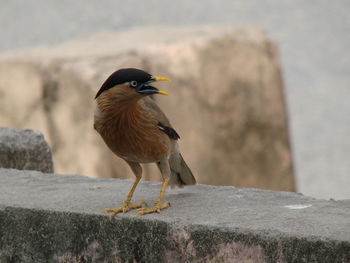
(162, 92)
(157, 78)
(160, 79)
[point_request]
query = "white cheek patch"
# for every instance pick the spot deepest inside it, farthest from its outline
(298, 206)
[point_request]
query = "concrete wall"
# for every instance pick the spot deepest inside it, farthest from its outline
(55, 218)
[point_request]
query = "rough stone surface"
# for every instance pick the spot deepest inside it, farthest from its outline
(24, 150)
(226, 100)
(56, 218)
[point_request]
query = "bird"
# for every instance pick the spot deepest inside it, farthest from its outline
(135, 129)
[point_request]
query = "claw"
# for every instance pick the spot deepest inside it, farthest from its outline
(154, 209)
(123, 209)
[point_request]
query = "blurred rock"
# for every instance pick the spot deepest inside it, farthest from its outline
(24, 150)
(226, 100)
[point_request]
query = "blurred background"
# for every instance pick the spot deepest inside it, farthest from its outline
(313, 43)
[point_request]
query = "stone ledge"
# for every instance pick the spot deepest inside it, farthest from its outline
(56, 218)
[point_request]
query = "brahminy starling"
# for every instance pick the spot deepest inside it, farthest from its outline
(135, 129)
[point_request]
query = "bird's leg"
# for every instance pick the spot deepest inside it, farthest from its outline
(159, 205)
(127, 205)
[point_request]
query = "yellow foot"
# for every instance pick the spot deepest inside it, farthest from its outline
(123, 209)
(155, 209)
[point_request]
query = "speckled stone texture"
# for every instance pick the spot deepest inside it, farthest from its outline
(56, 218)
(24, 150)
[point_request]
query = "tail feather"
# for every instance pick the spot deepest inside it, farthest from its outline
(181, 174)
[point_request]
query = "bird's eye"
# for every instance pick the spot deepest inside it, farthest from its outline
(133, 83)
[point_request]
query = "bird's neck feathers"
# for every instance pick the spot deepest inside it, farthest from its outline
(120, 104)
(120, 95)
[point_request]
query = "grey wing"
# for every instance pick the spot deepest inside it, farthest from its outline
(160, 118)
(181, 174)
(155, 112)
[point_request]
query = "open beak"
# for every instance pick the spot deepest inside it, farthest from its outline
(149, 90)
(157, 78)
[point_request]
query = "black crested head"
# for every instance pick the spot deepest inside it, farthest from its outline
(124, 75)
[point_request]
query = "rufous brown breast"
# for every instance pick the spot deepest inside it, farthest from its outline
(128, 130)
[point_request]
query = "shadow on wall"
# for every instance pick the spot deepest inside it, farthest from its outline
(226, 101)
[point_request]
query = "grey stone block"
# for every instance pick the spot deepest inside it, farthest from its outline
(24, 150)
(226, 91)
(56, 218)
